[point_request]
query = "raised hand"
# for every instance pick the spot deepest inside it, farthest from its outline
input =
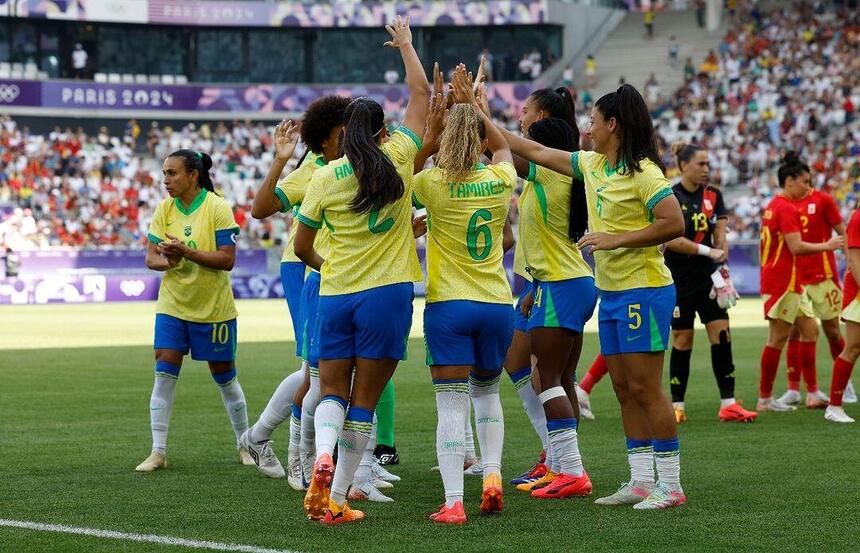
(286, 136)
(481, 98)
(401, 34)
(438, 80)
(462, 83)
(435, 119)
(481, 77)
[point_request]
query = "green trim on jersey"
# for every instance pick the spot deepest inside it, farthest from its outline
(533, 170)
(574, 162)
(154, 239)
(320, 161)
(310, 222)
(285, 202)
(657, 198)
(611, 171)
(408, 132)
(195, 203)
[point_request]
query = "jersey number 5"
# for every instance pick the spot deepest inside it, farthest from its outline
(474, 230)
(633, 314)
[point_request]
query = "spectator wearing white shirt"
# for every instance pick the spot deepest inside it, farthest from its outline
(79, 61)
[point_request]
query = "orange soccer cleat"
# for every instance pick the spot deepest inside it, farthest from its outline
(337, 514)
(564, 486)
(317, 497)
(455, 514)
(736, 413)
(544, 480)
(491, 497)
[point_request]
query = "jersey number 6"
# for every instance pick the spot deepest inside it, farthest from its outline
(476, 229)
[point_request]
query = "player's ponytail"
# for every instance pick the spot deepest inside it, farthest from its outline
(792, 166)
(197, 161)
(637, 139)
(684, 152)
(460, 143)
(378, 181)
(557, 103)
(556, 133)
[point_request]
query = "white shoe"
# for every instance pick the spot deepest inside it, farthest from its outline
(849, 395)
(790, 397)
(817, 400)
(381, 484)
(584, 404)
(662, 497)
(475, 469)
(366, 491)
(306, 459)
(836, 414)
(245, 457)
(263, 456)
(630, 493)
(294, 474)
(155, 461)
(379, 471)
(775, 405)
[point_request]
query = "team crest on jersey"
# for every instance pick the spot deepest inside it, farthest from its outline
(810, 209)
(708, 205)
(187, 230)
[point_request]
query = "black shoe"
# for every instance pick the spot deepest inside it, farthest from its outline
(386, 455)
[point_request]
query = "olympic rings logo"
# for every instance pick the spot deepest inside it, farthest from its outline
(9, 92)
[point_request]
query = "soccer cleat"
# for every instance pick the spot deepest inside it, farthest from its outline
(155, 461)
(629, 493)
(386, 455)
(245, 457)
(662, 498)
(775, 405)
(544, 480)
(836, 414)
(306, 458)
(337, 514)
(317, 497)
(367, 492)
(455, 514)
(849, 396)
(790, 397)
(817, 400)
(534, 473)
(473, 468)
(584, 400)
(736, 413)
(381, 484)
(564, 486)
(262, 455)
(379, 472)
(680, 414)
(295, 477)
(491, 496)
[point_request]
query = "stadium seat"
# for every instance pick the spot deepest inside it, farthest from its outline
(5, 70)
(42, 75)
(127, 78)
(181, 79)
(155, 79)
(114, 78)
(140, 79)
(167, 79)
(100, 77)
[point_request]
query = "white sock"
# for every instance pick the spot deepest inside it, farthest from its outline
(640, 456)
(160, 408)
(452, 411)
(727, 401)
(278, 408)
(489, 422)
(562, 436)
(678, 405)
(350, 450)
(295, 433)
(469, 437)
(533, 407)
(552, 460)
(328, 422)
(234, 403)
(364, 471)
(667, 457)
(309, 407)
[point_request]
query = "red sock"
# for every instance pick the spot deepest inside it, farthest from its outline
(836, 347)
(769, 367)
(807, 363)
(597, 371)
(841, 374)
(792, 361)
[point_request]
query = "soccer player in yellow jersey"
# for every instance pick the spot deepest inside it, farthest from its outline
(468, 321)
(631, 211)
(365, 200)
(298, 393)
(192, 239)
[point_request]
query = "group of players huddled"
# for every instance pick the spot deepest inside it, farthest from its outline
(360, 198)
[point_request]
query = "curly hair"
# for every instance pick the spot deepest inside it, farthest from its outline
(322, 116)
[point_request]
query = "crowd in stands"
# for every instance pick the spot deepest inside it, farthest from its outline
(782, 79)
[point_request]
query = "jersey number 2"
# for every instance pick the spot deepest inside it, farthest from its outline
(474, 230)
(375, 226)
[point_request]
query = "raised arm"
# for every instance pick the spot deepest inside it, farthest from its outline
(434, 127)
(416, 79)
(266, 202)
(496, 143)
(557, 160)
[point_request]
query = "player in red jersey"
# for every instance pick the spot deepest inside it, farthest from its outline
(819, 217)
(784, 302)
(844, 363)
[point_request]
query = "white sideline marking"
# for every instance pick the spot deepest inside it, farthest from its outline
(146, 538)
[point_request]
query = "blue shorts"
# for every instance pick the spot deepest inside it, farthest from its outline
(521, 322)
(310, 305)
(563, 304)
(373, 323)
(463, 332)
(206, 341)
(292, 281)
(635, 321)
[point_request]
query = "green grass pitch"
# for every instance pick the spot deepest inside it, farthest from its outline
(75, 423)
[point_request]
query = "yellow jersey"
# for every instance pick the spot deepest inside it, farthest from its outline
(623, 203)
(465, 223)
(291, 191)
(367, 250)
(520, 256)
(190, 291)
(544, 220)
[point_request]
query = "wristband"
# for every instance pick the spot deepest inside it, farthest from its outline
(704, 250)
